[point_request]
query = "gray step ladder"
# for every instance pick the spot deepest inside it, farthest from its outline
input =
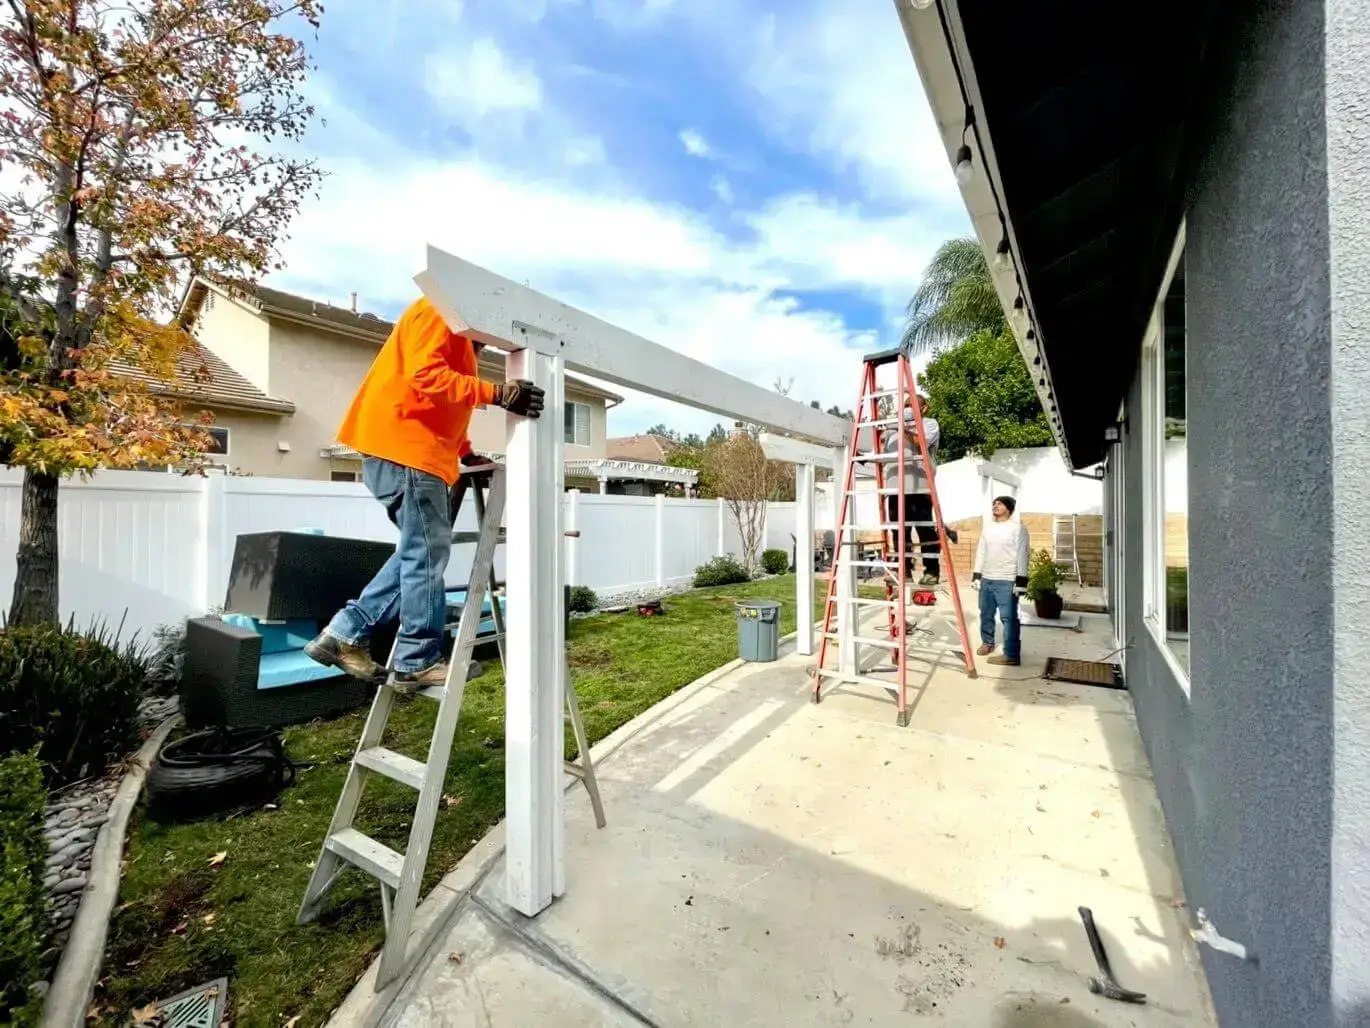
(1064, 552)
(401, 874)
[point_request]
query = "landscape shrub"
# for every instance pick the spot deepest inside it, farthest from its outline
(1043, 575)
(71, 694)
(583, 599)
(23, 900)
(775, 562)
(726, 570)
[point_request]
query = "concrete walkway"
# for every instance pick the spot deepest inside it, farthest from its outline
(769, 861)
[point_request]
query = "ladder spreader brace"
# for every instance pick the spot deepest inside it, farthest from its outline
(896, 555)
(401, 874)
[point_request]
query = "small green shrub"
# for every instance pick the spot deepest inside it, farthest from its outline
(775, 562)
(1043, 575)
(721, 571)
(23, 901)
(583, 599)
(73, 695)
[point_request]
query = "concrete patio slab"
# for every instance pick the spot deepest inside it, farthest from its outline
(769, 861)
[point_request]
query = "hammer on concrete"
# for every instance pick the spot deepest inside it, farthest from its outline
(1105, 985)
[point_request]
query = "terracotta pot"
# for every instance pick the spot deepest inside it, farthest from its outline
(1049, 605)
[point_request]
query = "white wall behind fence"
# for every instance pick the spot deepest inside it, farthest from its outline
(151, 549)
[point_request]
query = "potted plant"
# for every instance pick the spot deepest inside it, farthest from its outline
(1043, 578)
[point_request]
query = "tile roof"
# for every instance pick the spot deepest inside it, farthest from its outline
(203, 377)
(649, 448)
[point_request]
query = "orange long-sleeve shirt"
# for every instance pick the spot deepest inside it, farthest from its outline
(414, 406)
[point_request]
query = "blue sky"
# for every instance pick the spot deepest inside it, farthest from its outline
(757, 185)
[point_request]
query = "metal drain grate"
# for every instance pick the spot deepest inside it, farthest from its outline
(1084, 672)
(200, 1007)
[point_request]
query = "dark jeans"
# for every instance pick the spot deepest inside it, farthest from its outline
(917, 507)
(998, 596)
(410, 583)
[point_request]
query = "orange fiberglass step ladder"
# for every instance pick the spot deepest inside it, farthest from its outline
(879, 415)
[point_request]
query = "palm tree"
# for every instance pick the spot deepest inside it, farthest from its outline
(955, 300)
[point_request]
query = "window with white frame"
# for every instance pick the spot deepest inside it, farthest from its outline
(577, 423)
(1166, 497)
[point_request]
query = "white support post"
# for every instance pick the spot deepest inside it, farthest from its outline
(659, 533)
(803, 555)
(572, 528)
(603, 487)
(847, 621)
(535, 654)
(722, 547)
(216, 551)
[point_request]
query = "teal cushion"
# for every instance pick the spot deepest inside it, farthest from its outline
(292, 668)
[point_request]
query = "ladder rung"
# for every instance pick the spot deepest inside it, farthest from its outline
(888, 458)
(393, 765)
(872, 563)
(866, 640)
(433, 692)
(361, 851)
(873, 492)
(877, 423)
(884, 683)
(861, 601)
(881, 394)
(888, 528)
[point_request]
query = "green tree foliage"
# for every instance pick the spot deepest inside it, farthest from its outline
(982, 397)
(955, 300)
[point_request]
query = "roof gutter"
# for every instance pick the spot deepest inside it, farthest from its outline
(937, 42)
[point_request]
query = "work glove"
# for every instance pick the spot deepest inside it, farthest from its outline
(1020, 586)
(975, 581)
(521, 397)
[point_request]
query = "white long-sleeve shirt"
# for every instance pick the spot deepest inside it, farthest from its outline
(915, 479)
(1002, 554)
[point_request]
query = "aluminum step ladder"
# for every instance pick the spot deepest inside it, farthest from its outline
(1063, 549)
(880, 439)
(401, 874)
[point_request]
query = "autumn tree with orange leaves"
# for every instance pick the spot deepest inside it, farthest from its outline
(135, 152)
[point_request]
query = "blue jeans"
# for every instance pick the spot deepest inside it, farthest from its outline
(410, 583)
(998, 596)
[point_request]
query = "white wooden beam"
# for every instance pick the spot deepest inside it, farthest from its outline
(535, 653)
(795, 451)
(494, 310)
(803, 556)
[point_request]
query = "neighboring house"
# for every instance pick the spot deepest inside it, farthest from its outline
(281, 370)
(1182, 199)
(644, 456)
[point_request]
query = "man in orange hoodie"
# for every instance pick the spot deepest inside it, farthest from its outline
(409, 422)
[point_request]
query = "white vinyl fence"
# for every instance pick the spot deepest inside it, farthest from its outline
(150, 549)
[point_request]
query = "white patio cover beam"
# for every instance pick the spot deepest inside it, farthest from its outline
(499, 312)
(795, 451)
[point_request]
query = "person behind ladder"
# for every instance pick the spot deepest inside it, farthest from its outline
(409, 422)
(1000, 573)
(917, 493)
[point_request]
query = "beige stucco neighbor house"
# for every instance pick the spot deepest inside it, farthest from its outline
(279, 370)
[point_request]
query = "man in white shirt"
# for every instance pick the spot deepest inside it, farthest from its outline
(1000, 573)
(917, 492)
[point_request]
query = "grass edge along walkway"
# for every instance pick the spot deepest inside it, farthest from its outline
(218, 898)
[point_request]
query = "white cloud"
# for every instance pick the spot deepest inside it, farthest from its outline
(722, 189)
(472, 83)
(842, 84)
(659, 270)
(694, 142)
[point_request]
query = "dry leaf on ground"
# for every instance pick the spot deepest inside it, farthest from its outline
(218, 858)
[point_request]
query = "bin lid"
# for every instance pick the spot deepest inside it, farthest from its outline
(750, 605)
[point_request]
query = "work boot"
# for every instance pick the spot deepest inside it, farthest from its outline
(929, 579)
(985, 648)
(999, 658)
(352, 658)
(405, 682)
(952, 536)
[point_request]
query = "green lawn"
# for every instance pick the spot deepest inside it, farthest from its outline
(186, 915)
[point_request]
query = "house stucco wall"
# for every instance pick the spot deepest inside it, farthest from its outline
(1245, 763)
(1346, 61)
(238, 336)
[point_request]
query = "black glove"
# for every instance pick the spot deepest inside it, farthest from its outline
(521, 397)
(975, 577)
(1020, 585)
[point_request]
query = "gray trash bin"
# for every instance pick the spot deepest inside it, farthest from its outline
(758, 630)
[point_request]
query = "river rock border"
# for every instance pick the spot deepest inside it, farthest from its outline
(92, 821)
